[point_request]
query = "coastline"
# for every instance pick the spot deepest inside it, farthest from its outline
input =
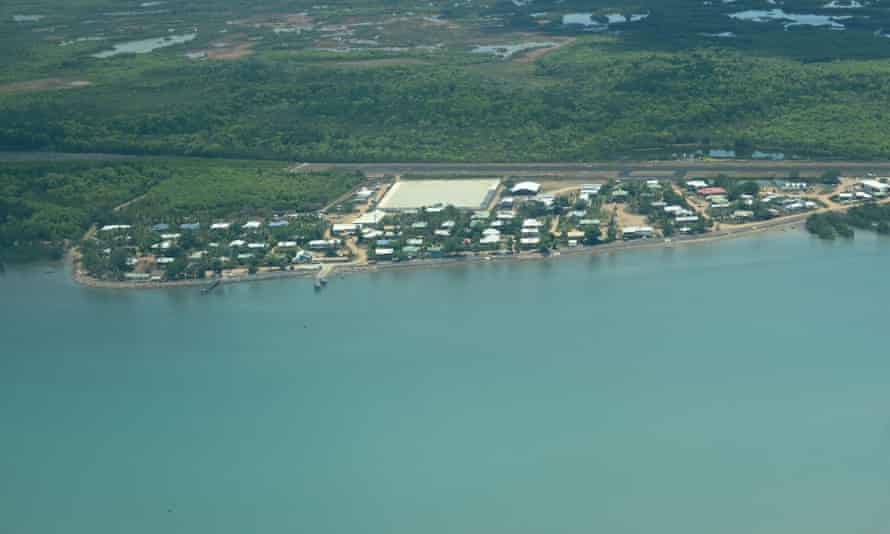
(83, 279)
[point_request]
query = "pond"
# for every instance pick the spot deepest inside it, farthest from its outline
(507, 51)
(27, 18)
(790, 19)
(145, 46)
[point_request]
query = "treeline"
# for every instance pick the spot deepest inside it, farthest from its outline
(43, 205)
(593, 100)
(831, 225)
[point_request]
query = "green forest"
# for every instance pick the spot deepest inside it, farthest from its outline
(357, 81)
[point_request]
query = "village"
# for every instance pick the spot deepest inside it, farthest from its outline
(395, 219)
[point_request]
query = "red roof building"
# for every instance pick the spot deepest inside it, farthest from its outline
(708, 191)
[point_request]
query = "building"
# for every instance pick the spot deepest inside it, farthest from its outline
(344, 229)
(251, 225)
(384, 253)
(637, 232)
(526, 188)
(711, 191)
(370, 218)
(875, 187)
(324, 244)
(220, 226)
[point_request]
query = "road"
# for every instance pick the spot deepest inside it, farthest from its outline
(624, 169)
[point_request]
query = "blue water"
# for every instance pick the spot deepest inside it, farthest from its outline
(734, 387)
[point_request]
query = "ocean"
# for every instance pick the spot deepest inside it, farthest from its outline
(736, 387)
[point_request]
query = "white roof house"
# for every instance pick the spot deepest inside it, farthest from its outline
(344, 228)
(875, 186)
(442, 233)
(164, 260)
(529, 241)
(379, 252)
(171, 236)
(220, 226)
(696, 184)
(251, 225)
(491, 231)
(114, 227)
(324, 243)
(526, 188)
(531, 223)
(287, 244)
(256, 245)
(237, 243)
(490, 239)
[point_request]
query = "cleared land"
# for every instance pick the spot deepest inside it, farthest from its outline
(414, 194)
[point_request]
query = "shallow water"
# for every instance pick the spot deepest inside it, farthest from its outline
(734, 387)
(144, 46)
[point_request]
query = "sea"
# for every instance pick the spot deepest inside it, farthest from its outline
(735, 387)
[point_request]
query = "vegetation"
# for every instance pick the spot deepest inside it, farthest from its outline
(867, 217)
(365, 81)
(43, 205)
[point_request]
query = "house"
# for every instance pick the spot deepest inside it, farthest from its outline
(220, 226)
(653, 184)
(589, 222)
(419, 225)
(278, 224)
(526, 188)
(171, 236)
(192, 227)
(694, 185)
(743, 214)
(286, 244)
(481, 215)
(251, 225)
(795, 186)
(412, 251)
(491, 231)
(637, 232)
(163, 245)
(344, 229)
(619, 195)
(442, 233)
(414, 242)
(711, 191)
(163, 260)
(160, 227)
(303, 256)
(256, 246)
(448, 224)
(324, 244)
(384, 253)
(114, 227)
(575, 234)
(529, 242)
(491, 239)
(875, 187)
(686, 219)
(237, 243)
(505, 215)
(506, 202)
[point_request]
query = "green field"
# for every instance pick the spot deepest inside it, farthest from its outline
(361, 81)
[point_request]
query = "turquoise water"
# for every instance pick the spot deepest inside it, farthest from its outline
(736, 387)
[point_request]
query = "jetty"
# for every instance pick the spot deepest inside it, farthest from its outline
(321, 278)
(210, 287)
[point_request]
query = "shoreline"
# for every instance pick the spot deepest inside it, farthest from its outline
(72, 257)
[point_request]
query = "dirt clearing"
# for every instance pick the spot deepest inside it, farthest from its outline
(45, 84)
